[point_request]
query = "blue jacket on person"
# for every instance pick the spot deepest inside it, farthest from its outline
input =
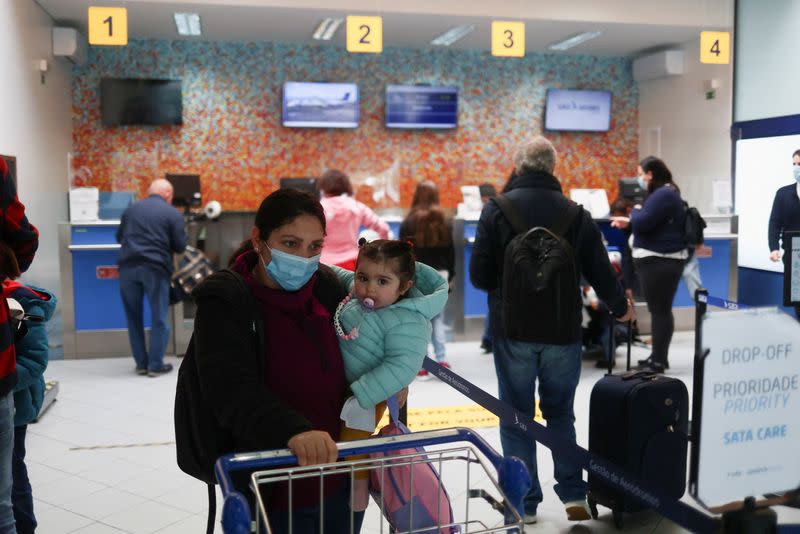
(150, 231)
(785, 216)
(32, 350)
(659, 224)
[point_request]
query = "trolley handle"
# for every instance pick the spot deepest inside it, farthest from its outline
(284, 457)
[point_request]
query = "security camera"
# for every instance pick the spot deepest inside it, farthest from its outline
(212, 210)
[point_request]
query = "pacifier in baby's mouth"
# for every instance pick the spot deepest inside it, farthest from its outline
(368, 303)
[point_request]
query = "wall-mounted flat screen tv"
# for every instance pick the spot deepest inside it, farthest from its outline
(140, 101)
(569, 110)
(420, 106)
(320, 105)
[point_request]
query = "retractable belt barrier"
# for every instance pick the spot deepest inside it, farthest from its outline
(679, 512)
(721, 303)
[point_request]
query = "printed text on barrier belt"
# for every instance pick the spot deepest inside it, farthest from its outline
(721, 303)
(679, 512)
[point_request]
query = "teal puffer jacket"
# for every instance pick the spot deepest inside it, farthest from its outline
(392, 341)
(32, 350)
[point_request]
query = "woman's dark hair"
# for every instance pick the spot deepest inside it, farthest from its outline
(9, 267)
(428, 222)
(279, 208)
(796, 153)
(661, 173)
(282, 207)
(425, 195)
(334, 183)
(400, 253)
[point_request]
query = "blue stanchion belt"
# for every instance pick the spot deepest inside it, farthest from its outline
(721, 303)
(677, 511)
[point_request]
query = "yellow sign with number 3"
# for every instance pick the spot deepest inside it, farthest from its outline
(715, 47)
(508, 39)
(365, 34)
(108, 26)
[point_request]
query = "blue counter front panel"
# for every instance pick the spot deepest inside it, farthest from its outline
(94, 235)
(714, 272)
(98, 305)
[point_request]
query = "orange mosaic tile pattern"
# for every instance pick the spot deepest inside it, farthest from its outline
(232, 134)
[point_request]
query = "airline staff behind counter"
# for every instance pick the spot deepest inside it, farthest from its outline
(785, 217)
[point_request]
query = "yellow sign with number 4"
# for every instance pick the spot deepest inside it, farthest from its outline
(108, 26)
(715, 47)
(365, 34)
(508, 39)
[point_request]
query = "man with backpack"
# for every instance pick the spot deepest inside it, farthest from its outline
(531, 248)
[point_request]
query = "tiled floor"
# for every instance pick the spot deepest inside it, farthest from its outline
(102, 459)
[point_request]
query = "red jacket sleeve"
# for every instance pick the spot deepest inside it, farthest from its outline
(16, 231)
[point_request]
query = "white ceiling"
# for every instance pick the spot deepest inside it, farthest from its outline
(154, 19)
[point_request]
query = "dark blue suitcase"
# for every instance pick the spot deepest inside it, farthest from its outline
(639, 421)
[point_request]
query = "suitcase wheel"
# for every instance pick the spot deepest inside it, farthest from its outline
(593, 508)
(617, 514)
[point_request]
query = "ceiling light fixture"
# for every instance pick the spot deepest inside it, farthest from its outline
(575, 40)
(327, 28)
(188, 23)
(452, 35)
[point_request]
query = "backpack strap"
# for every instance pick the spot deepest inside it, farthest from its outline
(511, 214)
(212, 508)
(567, 218)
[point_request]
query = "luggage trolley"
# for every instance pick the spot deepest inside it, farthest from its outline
(485, 490)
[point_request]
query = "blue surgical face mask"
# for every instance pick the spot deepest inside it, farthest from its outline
(289, 271)
(796, 172)
(641, 182)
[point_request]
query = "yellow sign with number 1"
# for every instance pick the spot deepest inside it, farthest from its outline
(365, 34)
(108, 26)
(508, 39)
(715, 47)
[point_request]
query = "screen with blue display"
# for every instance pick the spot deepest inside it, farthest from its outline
(320, 105)
(413, 106)
(577, 111)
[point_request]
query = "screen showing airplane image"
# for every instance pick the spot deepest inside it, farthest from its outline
(320, 105)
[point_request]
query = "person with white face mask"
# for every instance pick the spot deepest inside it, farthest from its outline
(785, 216)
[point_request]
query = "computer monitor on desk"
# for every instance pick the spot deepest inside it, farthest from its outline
(308, 185)
(186, 190)
(629, 188)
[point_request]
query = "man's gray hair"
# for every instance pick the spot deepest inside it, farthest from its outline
(536, 155)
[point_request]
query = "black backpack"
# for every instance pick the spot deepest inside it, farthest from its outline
(693, 227)
(199, 439)
(541, 298)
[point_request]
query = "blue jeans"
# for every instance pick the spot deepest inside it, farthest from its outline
(22, 494)
(6, 450)
(134, 284)
(336, 519)
(558, 369)
(438, 336)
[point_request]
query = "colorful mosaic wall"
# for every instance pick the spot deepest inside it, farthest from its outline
(232, 134)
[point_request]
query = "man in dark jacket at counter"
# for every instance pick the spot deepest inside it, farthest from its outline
(23, 239)
(537, 197)
(785, 216)
(151, 230)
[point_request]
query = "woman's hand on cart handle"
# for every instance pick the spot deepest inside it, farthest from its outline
(313, 447)
(402, 397)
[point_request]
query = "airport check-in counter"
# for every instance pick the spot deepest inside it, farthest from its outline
(718, 270)
(94, 319)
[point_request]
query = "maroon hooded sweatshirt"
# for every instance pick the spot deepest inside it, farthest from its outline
(303, 362)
